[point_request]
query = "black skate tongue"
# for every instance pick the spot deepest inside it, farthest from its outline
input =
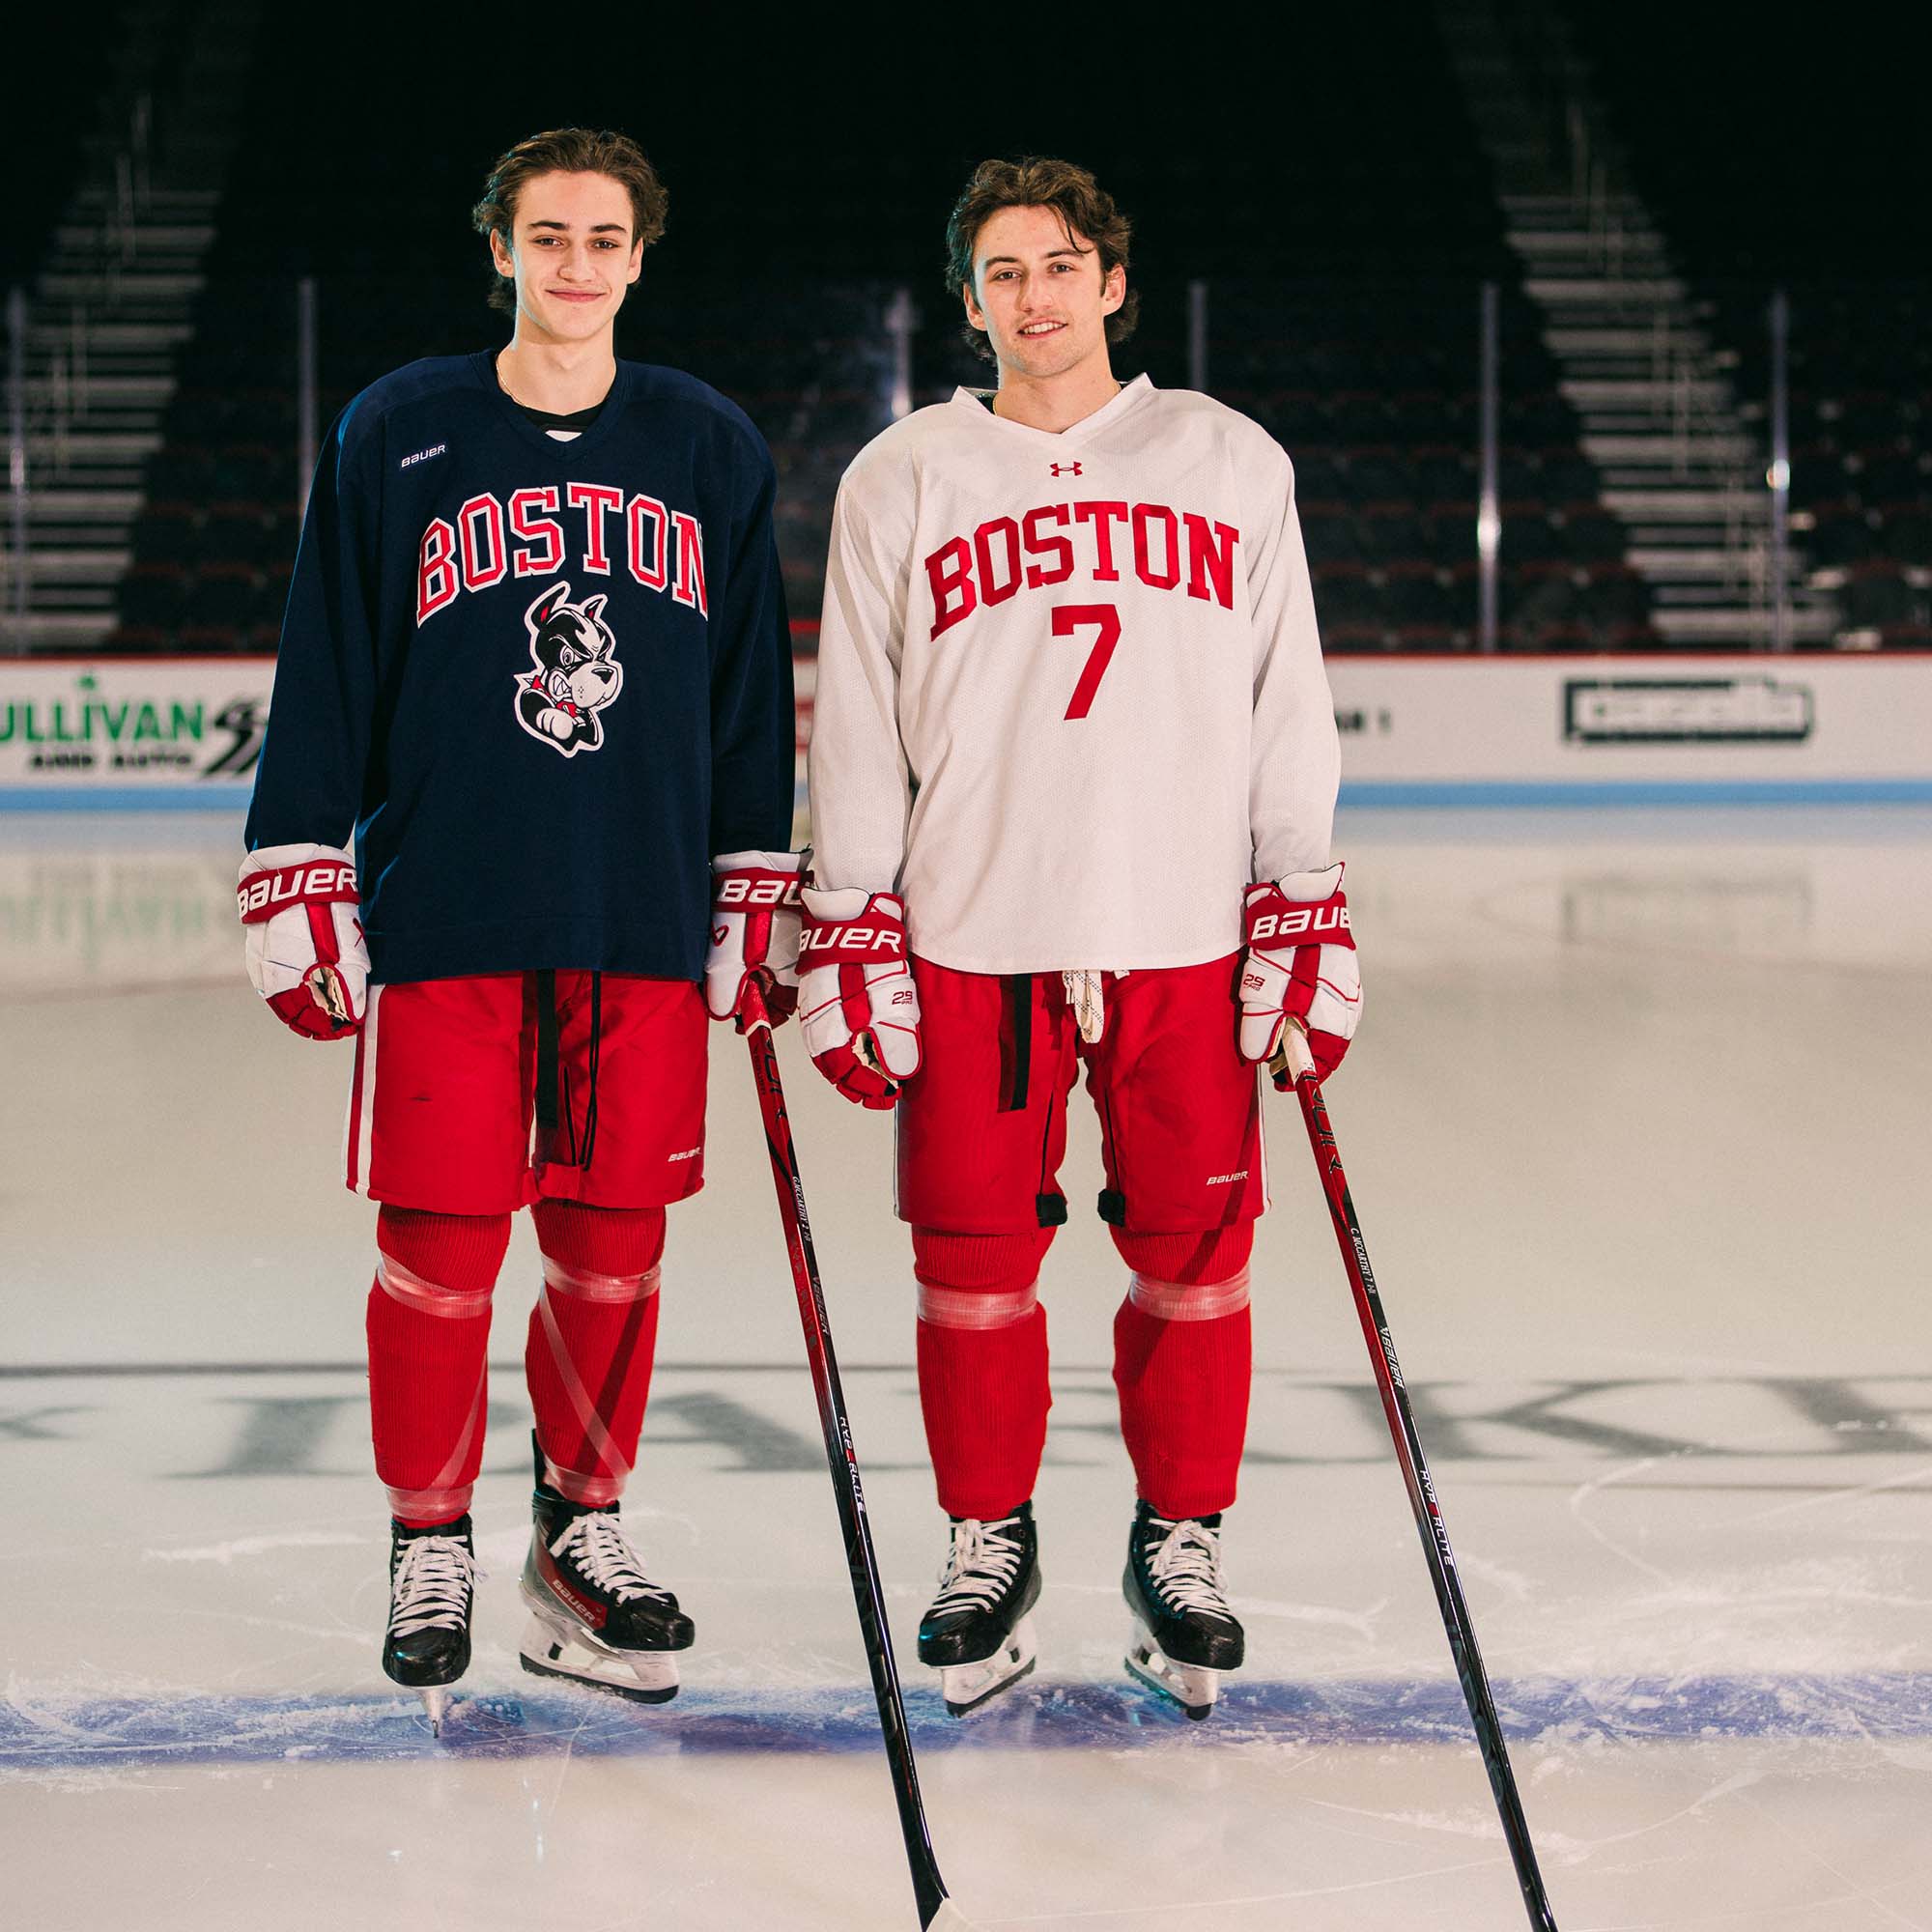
(408, 1532)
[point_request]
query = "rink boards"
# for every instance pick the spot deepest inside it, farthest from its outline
(185, 732)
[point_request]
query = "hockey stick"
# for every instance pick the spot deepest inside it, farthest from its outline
(1416, 1474)
(936, 1912)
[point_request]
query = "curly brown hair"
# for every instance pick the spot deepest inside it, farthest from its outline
(567, 151)
(1085, 210)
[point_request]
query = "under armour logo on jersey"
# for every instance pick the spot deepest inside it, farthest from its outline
(1064, 469)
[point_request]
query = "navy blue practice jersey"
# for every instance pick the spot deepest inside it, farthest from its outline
(543, 681)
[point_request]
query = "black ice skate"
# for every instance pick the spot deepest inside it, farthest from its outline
(432, 1583)
(596, 1617)
(978, 1633)
(1184, 1634)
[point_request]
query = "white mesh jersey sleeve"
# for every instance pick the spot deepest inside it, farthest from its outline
(857, 771)
(1294, 754)
(1071, 694)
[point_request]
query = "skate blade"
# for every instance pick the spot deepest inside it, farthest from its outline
(645, 1676)
(965, 1686)
(436, 1699)
(1190, 1685)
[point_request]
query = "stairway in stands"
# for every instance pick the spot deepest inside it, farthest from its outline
(104, 318)
(1683, 469)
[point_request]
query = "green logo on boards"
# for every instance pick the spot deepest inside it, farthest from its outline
(89, 730)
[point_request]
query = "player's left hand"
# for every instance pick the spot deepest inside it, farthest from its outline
(1300, 964)
(861, 1008)
(751, 973)
(302, 937)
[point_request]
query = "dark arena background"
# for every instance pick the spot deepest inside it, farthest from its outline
(1597, 336)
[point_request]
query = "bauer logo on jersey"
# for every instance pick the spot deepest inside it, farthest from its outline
(577, 673)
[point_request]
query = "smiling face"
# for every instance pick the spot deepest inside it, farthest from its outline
(571, 254)
(1040, 293)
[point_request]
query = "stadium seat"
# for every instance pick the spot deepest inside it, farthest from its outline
(1566, 475)
(1343, 638)
(1591, 534)
(1840, 534)
(1878, 597)
(1527, 535)
(236, 534)
(1414, 593)
(251, 473)
(167, 532)
(1907, 533)
(1328, 531)
(1430, 639)
(200, 640)
(153, 595)
(1892, 475)
(1391, 533)
(180, 471)
(1443, 473)
(1344, 595)
(1378, 472)
(1613, 596)
(1449, 534)
(223, 593)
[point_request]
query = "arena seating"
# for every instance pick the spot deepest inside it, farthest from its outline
(1860, 427)
(1343, 259)
(1808, 173)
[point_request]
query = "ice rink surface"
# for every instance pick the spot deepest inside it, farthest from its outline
(1637, 1130)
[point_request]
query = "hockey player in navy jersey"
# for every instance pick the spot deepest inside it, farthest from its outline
(535, 667)
(1073, 774)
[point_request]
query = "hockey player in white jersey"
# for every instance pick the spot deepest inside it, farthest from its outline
(1073, 778)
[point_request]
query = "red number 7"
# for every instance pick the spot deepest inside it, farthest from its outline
(1068, 619)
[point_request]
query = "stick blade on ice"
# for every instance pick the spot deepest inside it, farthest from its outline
(949, 1919)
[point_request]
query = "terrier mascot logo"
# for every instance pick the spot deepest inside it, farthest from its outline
(577, 675)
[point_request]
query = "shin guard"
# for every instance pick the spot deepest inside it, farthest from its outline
(983, 1375)
(1182, 1363)
(592, 1341)
(429, 1339)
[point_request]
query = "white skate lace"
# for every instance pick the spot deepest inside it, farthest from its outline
(597, 1546)
(980, 1565)
(434, 1578)
(1186, 1568)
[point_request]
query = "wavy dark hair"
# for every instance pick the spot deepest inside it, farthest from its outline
(567, 151)
(1085, 210)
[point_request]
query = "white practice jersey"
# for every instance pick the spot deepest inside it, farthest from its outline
(1070, 699)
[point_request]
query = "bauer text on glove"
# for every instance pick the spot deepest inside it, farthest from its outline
(857, 1003)
(1300, 965)
(751, 971)
(302, 937)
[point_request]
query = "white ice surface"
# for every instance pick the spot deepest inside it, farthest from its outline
(1638, 1134)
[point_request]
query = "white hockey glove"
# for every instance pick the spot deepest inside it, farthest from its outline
(1301, 966)
(750, 974)
(857, 1001)
(302, 937)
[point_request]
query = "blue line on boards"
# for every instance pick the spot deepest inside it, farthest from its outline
(125, 798)
(1411, 793)
(1359, 793)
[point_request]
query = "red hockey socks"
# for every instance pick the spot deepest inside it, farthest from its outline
(1183, 1362)
(982, 1382)
(593, 1337)
(429, 1339)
